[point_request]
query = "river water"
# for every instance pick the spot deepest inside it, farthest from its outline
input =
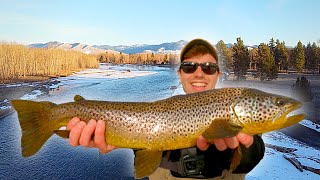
(57, 159)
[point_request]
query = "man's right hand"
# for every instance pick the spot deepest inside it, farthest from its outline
(82, 133)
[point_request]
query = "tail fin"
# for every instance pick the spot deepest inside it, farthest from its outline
(35, 124)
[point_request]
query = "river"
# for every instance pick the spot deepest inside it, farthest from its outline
(58, 160)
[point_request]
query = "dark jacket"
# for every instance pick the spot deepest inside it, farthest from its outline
(216, 161)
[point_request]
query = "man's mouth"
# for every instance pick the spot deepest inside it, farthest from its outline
(199, 84)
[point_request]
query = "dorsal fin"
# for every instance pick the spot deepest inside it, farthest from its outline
(78, 98)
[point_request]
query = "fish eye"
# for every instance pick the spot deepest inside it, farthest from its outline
(280, 102)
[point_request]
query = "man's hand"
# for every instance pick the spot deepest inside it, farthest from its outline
(224, 143)
(82, 133)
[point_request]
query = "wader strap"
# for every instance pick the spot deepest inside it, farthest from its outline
(190, 151)
(173, 166)
(190, 164)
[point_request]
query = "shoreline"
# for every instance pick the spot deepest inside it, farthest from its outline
(20, 88)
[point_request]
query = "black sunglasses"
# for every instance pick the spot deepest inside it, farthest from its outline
(207, 67)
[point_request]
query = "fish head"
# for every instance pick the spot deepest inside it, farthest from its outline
(259, 112)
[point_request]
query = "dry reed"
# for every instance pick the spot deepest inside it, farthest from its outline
(18, 61)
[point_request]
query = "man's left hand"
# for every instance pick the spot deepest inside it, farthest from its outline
(224, 143)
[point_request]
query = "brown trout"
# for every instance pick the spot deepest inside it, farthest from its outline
(172, 123)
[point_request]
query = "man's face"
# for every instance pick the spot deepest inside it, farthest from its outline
(198, 81)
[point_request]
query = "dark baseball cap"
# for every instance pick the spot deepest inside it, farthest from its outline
(198, 41)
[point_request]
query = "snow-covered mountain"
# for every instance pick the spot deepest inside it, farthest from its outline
(163, 48)
(172, 47)
(88, 49)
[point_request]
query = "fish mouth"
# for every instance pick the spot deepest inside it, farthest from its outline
(289, 117)
(291, 112)
(298, 117)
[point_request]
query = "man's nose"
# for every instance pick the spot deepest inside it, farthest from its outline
(199, 72)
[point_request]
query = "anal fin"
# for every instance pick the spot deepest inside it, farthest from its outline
(146, 162)
(62, 133)
(236, 159)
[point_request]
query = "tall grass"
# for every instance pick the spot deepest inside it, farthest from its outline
(18, 61)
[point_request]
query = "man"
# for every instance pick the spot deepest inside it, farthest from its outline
(198, 72)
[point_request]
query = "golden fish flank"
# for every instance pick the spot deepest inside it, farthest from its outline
(152, 127)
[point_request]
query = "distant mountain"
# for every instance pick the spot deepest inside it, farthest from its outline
(164, 48)
(88, 49)
(172, 47)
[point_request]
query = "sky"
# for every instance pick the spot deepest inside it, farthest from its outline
(127, 22)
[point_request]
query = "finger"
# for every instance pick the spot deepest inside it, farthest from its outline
(108, 149)
(232, 142)
(72, 123)
(220, 144)
(202, 143)
(75, 133)
(99, 137)
(87, 133)
(245, 139)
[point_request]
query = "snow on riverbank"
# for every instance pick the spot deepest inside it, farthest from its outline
(275, 166)
(105, 71)
(111, 72)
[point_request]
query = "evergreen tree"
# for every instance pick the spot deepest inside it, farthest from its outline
(272, 46)
(317, 62)
(302, 89)
(241, 60)
(225, 56)
(254, 58)
(308, 57)
(315, 57)
(281, 56)
(267, 70)
(298, 58)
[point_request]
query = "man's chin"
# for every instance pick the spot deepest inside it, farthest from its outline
(198, 88)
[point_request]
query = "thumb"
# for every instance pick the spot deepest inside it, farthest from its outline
(202, 143)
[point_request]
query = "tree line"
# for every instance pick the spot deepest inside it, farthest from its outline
(264, 61)
(18, 61)
(267, 60)
(139, 58)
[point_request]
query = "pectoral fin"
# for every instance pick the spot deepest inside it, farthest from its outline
(220, 128)
(146, 162)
